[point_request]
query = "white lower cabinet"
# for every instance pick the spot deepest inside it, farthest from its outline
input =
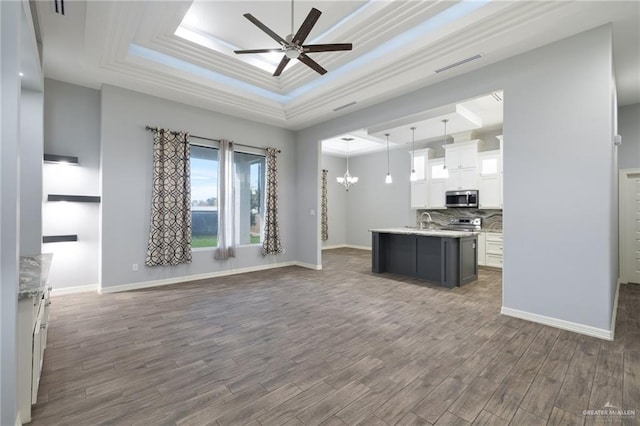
(482, 261)
(33, 317)
(493, 249)
(490, 249)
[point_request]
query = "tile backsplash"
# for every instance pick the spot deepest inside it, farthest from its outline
(491, 219)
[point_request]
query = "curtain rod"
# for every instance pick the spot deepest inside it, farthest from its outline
(155, 129)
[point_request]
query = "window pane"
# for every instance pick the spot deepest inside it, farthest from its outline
(439, 172)
(249, 196)
(489, 166)
(204, 196)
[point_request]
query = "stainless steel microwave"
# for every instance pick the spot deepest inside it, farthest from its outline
(467, 198)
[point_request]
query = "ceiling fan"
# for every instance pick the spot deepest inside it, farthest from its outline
(292, 45)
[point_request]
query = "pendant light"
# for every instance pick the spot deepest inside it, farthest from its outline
(414, 176)
(445, 121)
(388, 178)
(347, 180)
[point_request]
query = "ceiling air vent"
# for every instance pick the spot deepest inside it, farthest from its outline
(345, 106)
(58, 6)
(464, 61)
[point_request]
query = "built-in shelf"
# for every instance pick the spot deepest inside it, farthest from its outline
(74, 198)
(60, 159)
(58, 238)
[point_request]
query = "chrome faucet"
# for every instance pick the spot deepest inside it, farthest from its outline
(422, 220)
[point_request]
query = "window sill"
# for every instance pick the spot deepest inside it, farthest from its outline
(199, 249)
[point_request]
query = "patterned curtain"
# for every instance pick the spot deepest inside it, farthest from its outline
(324, 218)
(271, 243)
(170, 231)
(227, 237)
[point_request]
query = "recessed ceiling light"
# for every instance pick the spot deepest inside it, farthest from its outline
(21, 74)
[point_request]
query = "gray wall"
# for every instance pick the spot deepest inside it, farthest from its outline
(126, 183)
(629, 128)
(10, 19)
(336, 201)
(31, 150)
(550, 118)
(372, 203)
(72, 127)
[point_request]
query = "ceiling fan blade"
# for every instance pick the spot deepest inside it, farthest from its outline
(264, 28)
(307, 26)
(327, 47)
(283, 63)
(311, 64)
(257, 51)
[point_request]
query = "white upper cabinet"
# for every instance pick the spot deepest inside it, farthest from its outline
(462, 155)
(461, 159)
(490, 179)
(420, 187)
(438, 177)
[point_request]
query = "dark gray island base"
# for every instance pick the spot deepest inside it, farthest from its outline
(449, 258)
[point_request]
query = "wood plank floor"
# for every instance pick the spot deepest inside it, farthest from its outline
(340, 346)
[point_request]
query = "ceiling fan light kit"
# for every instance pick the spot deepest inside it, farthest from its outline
(292, 45)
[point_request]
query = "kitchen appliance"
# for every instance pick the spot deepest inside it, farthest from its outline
(468, 198)
(470, 224)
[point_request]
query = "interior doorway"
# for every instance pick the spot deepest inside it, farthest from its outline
(629, 226)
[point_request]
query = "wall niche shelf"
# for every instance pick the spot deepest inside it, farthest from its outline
(58, 238)
(60, 159)
(74, 198)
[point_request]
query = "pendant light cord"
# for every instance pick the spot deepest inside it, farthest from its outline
(387, 135)
(413, 149)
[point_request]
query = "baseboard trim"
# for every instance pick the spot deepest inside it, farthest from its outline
(614, 314)
(558, 323)
(73, 290)
(176, 280)
(337, 246)
(308, 265)
(351, 246)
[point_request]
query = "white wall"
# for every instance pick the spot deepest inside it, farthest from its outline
(336, 201)
(31, 150)
(557, 153)
(72, 127)
(629, 129)
(126, 184)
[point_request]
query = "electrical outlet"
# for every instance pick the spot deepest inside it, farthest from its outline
(134, 267)
(312, 212)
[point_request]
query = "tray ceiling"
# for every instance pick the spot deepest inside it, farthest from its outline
(183, 50)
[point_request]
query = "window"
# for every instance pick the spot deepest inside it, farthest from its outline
(249, 196)
(439, 172)
(489, 166)
(204, 196)
(249, 170)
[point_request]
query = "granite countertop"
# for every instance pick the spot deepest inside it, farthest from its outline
(425, 232)
(34, 273)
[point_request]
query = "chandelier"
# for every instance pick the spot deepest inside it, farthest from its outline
(347, 180)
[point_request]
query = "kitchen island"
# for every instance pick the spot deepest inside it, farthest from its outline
(449, 258)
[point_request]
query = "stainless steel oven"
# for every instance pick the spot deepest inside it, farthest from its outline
(467, 198)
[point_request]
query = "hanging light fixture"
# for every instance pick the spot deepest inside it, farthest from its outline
(445, 121)
(347, 180)
(388, 178)
(414, 175)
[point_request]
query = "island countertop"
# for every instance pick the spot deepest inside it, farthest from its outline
(425, 232)
(34, 273)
